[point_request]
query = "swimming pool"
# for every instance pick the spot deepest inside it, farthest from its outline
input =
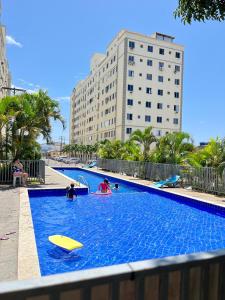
(132, 224)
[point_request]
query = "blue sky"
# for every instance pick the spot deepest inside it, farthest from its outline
(51, 43)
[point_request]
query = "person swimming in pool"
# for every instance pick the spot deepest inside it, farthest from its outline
(104, 186)
(116, 186)
(71, 192)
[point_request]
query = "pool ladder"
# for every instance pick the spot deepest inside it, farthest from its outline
(83, 180)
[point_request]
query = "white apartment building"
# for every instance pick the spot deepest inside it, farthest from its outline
(5, 78)
(136, 84)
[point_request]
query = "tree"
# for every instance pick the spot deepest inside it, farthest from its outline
(32, 115)
(172, 148)
(8, 110)
(144, 138)
(131, 151)
(212, 155)
(200, 10)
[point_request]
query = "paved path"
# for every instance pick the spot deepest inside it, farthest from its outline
(52, 180)
(9, 222)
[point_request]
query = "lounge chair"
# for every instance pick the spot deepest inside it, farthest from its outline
(172, 181)
(92, 164)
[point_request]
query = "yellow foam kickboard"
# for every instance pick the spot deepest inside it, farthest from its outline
(65, 242)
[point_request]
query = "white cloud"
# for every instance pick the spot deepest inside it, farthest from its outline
(63, 98)
(11, 41)
(30, 84)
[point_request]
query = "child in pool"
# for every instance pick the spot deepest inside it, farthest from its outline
(71, 192)
(116, 186)
(104, 186)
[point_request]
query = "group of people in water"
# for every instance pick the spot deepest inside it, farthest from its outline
(104, 188)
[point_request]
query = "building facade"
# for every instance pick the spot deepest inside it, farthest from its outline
(136, 84)
(5, 78)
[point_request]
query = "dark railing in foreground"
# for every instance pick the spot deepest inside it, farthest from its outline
(197, 276)
(202, 179)
(34, 168)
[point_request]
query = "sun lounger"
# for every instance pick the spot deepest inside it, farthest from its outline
(172, 181)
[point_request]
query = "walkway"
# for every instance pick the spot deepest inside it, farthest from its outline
(9, 223)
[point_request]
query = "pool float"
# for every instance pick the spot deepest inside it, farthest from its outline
(103, 194)
(65, 242)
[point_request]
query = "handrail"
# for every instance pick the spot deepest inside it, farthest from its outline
(85, 182)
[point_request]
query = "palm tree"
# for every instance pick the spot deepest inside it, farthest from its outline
(144, 138)
(131, 151)
(212, 155)
(67, 149)
(74, 149)
(32, 117)
(173, 148)
(105, 149)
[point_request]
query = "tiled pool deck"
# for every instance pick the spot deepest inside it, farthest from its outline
(14, 206)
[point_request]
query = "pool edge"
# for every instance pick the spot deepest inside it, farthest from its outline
(28, 261)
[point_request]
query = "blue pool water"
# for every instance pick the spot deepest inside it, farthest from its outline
(94, 180)
(126, 226)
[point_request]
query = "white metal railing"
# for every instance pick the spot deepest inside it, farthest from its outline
(34, 168)
(203, 179)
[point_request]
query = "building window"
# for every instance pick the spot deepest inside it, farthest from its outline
(149, 62)
(130, 87)
(141, 60)
(159, 105)
(177, 54)
(130, 59)
(139, 102)
(161, 51)
(130, 73)
(141, 46)
(177, 69)
(148, 90)
(177, 81)
(129, 117)
(140, 74)
(160, 92)
(160, 78)
(139, 116)
(176, 95)
(159, 119)
(158, 133)
(150, 48)
(131, 45)
(129, 130)
(148, 104)
(149, 76)
(147, 118)
(140, 88)
(176, 108)
(161, 66)
(130, 102)
(175, 121)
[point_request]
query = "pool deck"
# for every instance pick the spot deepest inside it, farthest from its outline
(14, 204)
(9, 223)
